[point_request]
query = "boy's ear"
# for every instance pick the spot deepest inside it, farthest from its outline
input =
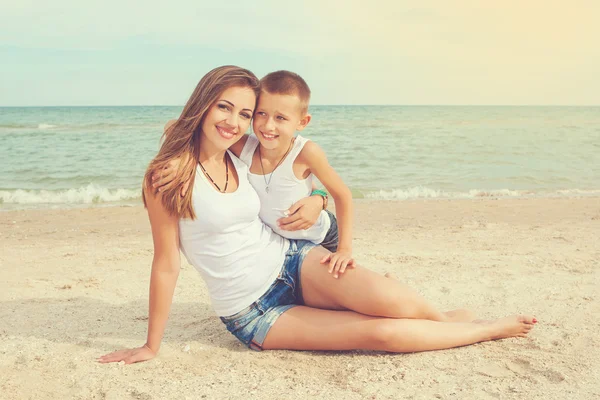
(303, 122)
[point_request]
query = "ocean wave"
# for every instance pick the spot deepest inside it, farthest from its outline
(82, 127)
(42, 126)
(418, 192)
(45, 126)
(579, 192)
(13, 126)
(421, 192)
(90, 194)
(94, 195)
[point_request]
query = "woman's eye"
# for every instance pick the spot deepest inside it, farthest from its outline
(246, 116)
(223, 107)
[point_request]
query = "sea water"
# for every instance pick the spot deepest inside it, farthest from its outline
(54, 157)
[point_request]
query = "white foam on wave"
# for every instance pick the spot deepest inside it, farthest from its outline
(421, 192)
(404, 194)
(46, 126)
(579, 192)
(497, 193)
(90, 194)
(96, 195)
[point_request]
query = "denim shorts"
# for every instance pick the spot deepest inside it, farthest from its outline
(331, 238)
(252, 324)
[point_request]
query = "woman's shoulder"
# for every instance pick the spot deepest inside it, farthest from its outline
(169, 124)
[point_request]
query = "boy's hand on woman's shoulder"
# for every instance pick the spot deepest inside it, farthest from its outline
(162, 180)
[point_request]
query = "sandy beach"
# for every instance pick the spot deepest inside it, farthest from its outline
(75, 283)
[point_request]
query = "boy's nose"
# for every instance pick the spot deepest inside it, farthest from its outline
(269, 125)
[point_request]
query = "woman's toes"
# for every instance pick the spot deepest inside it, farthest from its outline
(527, 319)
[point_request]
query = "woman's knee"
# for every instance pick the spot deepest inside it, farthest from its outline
(382, 335)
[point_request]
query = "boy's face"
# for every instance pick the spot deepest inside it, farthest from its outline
(277, 118)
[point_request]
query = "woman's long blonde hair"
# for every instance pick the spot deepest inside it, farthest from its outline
(182, 139)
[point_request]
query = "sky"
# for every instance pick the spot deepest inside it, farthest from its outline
(426, 52)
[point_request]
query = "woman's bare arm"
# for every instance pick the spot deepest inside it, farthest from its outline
(165, 270)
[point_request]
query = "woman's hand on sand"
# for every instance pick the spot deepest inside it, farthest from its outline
(302, 215)
(129, 356)
(338, 262)
(163, 179)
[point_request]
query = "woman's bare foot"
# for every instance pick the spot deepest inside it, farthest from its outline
(513, 326)
(460, 315)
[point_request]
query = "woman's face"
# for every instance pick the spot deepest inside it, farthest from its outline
(229, 117)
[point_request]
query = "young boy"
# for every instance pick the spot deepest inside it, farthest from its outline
(282, 165)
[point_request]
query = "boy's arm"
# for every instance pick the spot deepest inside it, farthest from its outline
(316, 160)
(302, 214)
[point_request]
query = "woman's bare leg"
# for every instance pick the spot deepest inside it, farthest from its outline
(458, 315)
(361, 290)
(305, 328)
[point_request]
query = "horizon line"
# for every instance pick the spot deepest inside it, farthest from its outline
(320, 105)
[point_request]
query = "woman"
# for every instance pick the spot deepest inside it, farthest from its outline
(271, 293)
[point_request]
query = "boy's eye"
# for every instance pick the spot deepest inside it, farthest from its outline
(262, 114)
(280, 118)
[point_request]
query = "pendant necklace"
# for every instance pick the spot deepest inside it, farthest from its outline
(226, 174)
(267, 183)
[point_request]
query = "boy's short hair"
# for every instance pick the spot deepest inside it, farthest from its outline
(287, 83)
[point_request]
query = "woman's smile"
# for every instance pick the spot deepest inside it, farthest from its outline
(225, 132)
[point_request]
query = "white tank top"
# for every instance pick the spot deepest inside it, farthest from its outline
(284, 190)
(237, 255)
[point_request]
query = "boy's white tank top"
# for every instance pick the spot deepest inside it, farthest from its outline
(285, 189)
(238, 256)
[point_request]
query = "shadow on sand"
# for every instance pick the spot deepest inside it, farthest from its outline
(97, 324)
